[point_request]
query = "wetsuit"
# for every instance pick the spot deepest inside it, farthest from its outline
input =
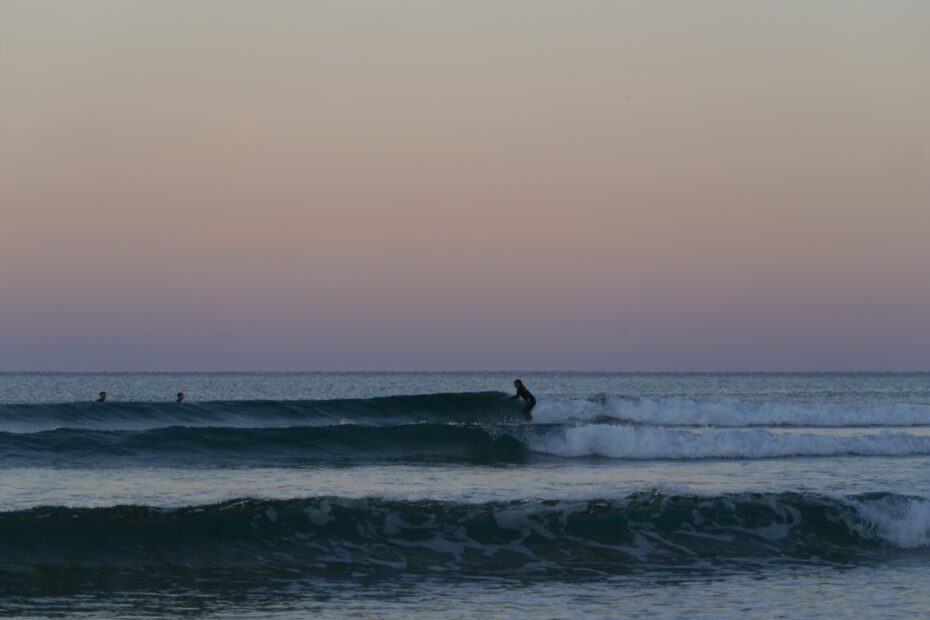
(529, 401)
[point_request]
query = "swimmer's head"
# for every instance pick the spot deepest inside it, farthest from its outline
(102, 397)
(180, 396)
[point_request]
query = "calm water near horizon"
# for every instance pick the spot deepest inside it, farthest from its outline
(280, 495)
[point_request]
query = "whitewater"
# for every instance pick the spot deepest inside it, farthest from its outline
(378, 494)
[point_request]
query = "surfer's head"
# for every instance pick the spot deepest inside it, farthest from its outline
(180, 396)
(101, 397)
(517, 383)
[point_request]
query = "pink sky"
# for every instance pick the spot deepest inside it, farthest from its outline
(722, 185)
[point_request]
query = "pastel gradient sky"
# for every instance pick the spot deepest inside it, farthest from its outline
(654, 185)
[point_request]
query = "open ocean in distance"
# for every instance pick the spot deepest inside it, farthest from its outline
(426, 495)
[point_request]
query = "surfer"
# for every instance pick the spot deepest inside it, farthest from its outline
(180, 397)
(529, 401)
(102, 397)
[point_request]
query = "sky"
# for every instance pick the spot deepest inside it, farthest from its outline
(363, 185)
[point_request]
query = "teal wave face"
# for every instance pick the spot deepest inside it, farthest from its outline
(346, 444)
(340, 445)
(488, 407)
(332, 537)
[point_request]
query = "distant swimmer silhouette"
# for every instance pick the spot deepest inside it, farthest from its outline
(180, 396)
(102, 397)
(529, 401)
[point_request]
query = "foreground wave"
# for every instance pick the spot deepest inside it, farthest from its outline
(350, 444)
(335, 537)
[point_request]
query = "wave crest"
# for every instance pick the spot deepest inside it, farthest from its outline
(348, 444)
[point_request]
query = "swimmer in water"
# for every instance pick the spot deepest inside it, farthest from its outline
(180, 397)
(102, 397)
(529, 401)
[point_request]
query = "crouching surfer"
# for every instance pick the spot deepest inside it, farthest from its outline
(529, 401)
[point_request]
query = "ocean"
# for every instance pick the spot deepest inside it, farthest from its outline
(426, 495)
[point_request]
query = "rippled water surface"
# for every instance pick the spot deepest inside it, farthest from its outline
(428, 495)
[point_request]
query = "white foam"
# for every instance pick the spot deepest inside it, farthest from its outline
(901, 521)
(646, 443)
(683, 412)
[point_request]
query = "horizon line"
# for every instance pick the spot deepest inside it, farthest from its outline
(470, 371)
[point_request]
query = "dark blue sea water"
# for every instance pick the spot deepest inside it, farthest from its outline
(276, 495)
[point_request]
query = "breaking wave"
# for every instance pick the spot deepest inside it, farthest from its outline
(644, 443)
(349, 444)
(332, 537)
(467, 407)
(684, 412)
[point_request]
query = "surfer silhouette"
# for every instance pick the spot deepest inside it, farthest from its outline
(180, 397)
(102, 397)
(529, 401)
